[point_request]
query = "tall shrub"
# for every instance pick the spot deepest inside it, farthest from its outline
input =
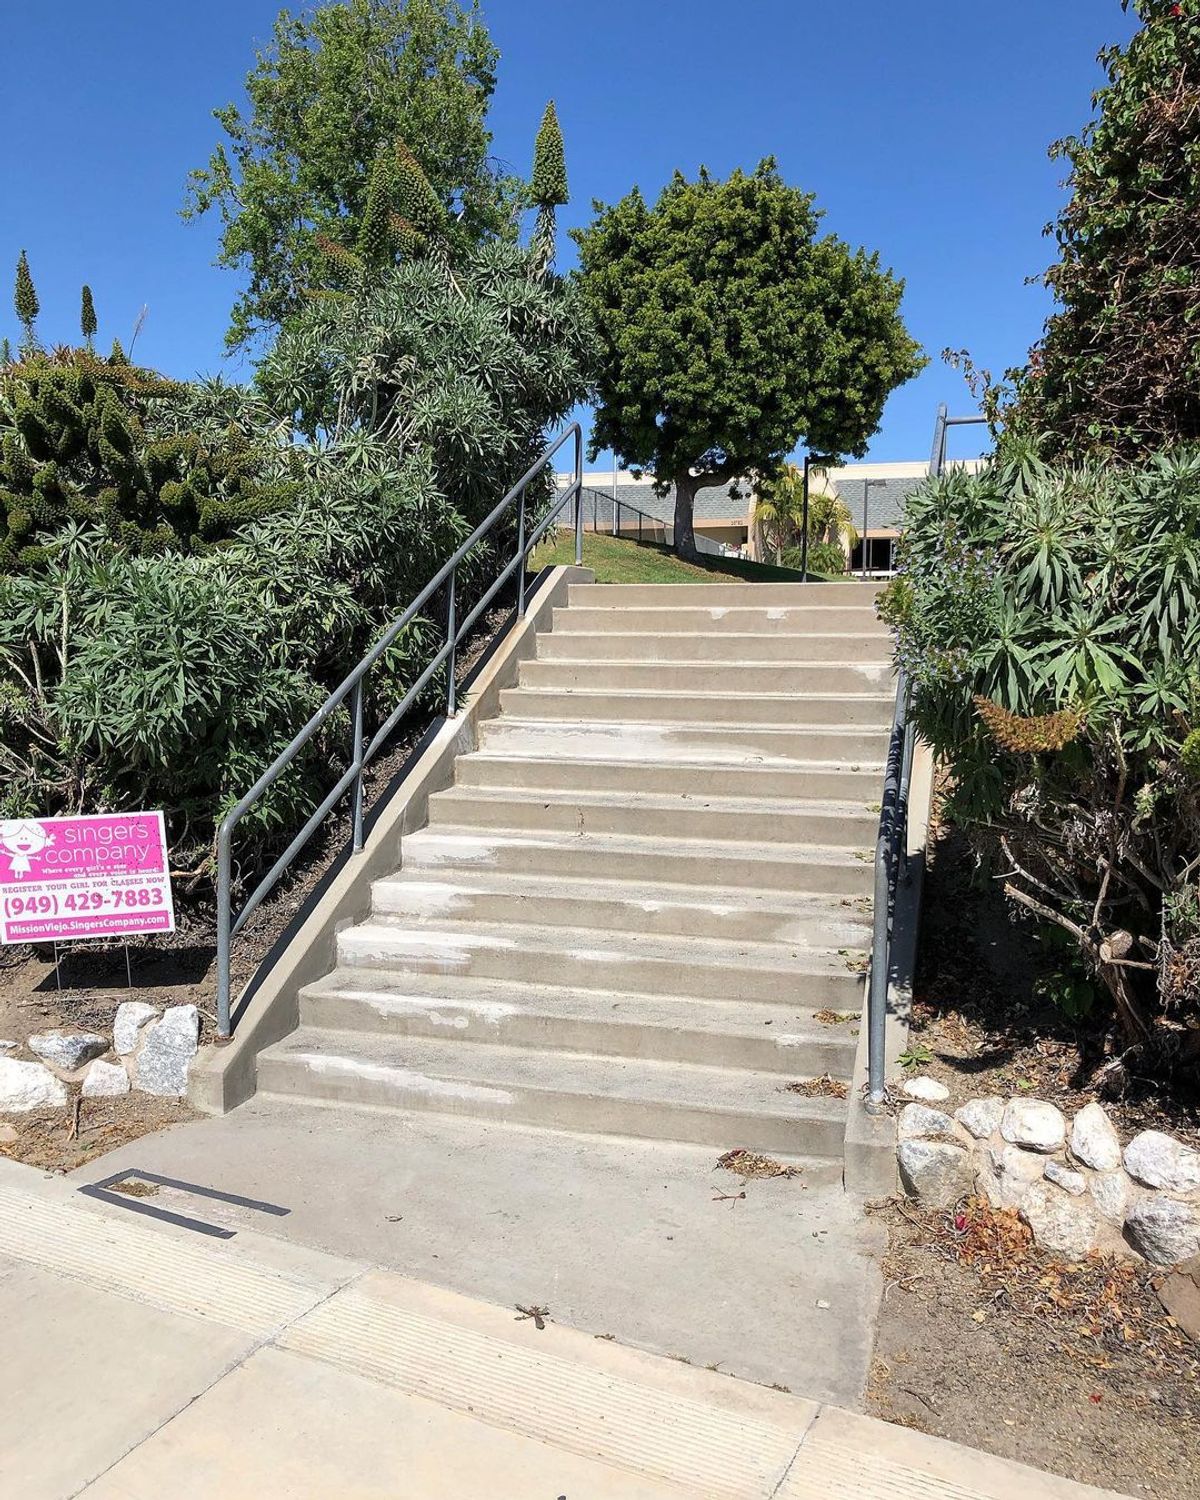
(1050, 622)
(1118, 369)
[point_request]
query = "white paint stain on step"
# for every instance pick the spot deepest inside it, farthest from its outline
(405, 1079)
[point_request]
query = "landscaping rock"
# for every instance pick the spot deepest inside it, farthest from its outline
(936, 1172)
(68, 1050)
(1111, 1193)
(8, 1134)
(1179, 1293)
(1060, 1223)
(1006, 1173)
(927, 1089)
(1033, 1124)
(1094, 1142)
(104, 1080)
(981, 1116)
(920, 1123)
(1074, 1183)
(27, 1085)
(1164, 1230)
(131, 1017)
(9, 1046)
(1160, 1162)
(166, 1051)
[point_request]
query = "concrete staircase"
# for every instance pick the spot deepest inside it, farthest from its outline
(644, 906)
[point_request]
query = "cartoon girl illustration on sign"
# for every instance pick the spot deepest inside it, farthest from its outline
(22, 839)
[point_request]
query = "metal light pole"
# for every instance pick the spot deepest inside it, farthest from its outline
(804, 522)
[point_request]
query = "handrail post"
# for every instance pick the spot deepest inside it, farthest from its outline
(451, 632)
(579, 498)
(224, 924)
(521, 555)
(357, 763)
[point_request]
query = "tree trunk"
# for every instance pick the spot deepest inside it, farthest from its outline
(686, 486)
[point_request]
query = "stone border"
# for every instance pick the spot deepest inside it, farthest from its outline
(223, 1077)
(870, 1148)
(1074, 1185)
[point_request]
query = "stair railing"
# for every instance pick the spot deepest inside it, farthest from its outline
(363, 750)
(891, 861)
(891, 847)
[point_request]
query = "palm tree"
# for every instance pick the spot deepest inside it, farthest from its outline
(779, 511)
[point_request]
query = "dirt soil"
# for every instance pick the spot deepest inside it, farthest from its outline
(1075, 1369)
(982, 1338)
(980, 1025)
(83, 989)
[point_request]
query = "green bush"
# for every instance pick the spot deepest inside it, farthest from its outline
(468, 364)
(102, 443)
(173, 681)
(1049, 620)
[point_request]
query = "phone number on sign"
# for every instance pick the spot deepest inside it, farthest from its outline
(81, 901)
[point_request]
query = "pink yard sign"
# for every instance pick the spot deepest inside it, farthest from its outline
(101, 877)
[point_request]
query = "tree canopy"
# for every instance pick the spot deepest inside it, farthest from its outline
(334, 89)
(730, 332)
(1118, 369)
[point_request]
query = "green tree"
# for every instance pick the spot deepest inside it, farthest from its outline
(1118, 368)
(464, 368)
(779, 511)
(25, 300)
(730, 332)
(87, 316)
(333, 88)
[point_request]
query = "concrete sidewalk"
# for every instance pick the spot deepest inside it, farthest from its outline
(624, 1238)
(144, 1360)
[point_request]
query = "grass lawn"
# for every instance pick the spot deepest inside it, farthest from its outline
(620, 560)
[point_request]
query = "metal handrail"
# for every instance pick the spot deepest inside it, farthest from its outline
(891, 862)
(618, 505)
(228, 926)
(891, 847)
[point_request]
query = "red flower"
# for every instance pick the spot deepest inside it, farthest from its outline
(1177, 10)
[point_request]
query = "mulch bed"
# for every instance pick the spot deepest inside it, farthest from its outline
(977, 1014)
(1074, 1368)
(984, 1339)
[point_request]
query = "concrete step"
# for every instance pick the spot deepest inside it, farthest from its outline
(718, 1107)
(799, 780)
(712, 646)
(788, 974)
(683, 618)
(624, 906)
(786, 710)
(692, 862)
(717, 744)
(672, 595)
(823, 679)
(680, 816)
(609, 1024)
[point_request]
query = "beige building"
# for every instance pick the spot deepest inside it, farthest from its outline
(873, 493)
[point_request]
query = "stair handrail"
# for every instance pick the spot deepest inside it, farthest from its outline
(364, 751)
(891, 846)
(891, 850)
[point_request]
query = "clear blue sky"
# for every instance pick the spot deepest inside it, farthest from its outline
(922, 126)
